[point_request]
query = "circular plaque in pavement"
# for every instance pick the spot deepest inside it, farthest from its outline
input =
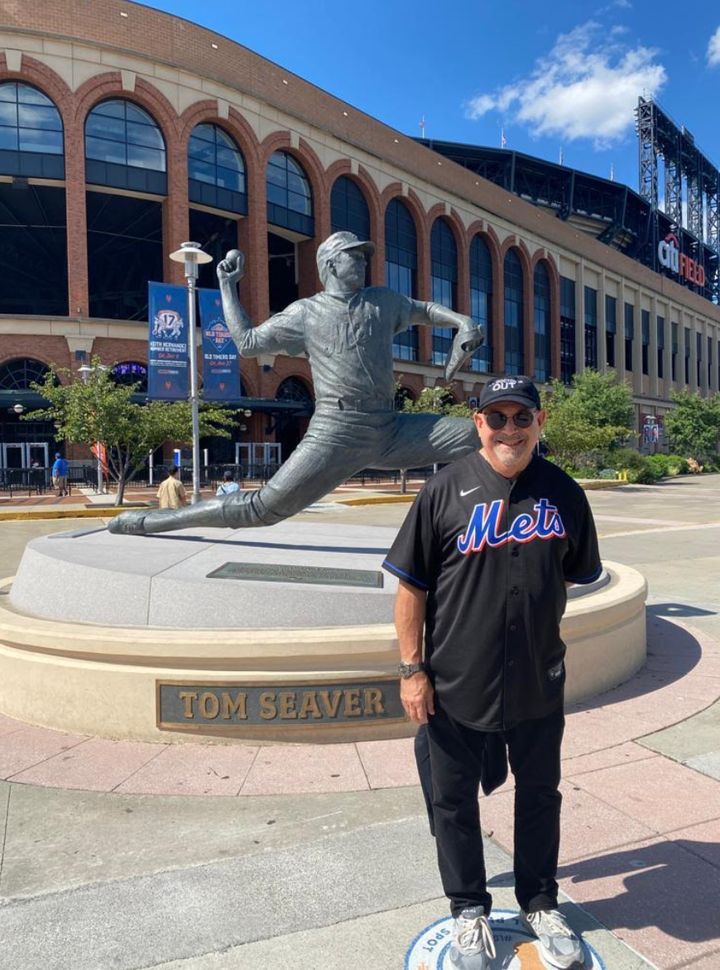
(517, 948)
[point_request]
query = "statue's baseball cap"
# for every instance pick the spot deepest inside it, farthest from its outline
(518, 390)
(339, 242)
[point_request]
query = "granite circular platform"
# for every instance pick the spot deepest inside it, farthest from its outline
(282, 633)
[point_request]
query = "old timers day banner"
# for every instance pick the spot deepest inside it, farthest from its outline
(221, 369)
(167, 342)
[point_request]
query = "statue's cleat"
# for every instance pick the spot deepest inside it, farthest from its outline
(128, 524)
(560, 947)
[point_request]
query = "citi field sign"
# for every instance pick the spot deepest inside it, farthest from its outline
(671, 258)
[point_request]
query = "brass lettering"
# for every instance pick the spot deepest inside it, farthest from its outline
(309, 705)
(187, 697)
(268, 710)
(352, 702)
(286, 701)
(374, 701)
(238, 707)
(209, 705)
(332, 706)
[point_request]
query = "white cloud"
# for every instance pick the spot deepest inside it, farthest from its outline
(713, 51)
(586, 87)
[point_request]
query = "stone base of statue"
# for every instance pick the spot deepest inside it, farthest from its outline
(281, 633)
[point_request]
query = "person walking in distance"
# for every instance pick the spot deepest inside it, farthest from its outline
(171, 494)
(483, 558)
(228, 485)
(59, 474)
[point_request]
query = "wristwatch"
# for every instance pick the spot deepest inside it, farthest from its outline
(407, 670)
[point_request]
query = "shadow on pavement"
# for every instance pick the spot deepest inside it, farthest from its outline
(670, 885)
(672, 653)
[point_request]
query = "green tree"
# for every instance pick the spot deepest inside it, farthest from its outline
(436, 400)
(693, 425)
(99, 410)
(599, 399)
(586, 419)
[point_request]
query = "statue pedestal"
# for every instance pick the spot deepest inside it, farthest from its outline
(282, 633)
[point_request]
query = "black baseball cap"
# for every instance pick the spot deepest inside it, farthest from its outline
(518, 390)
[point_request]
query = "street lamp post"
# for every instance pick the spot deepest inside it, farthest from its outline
(85, 371)
(191, 256)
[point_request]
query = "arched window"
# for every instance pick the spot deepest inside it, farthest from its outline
(216, 170)
(130, 372)
(18, 374)
(403, 394)
(289, 197)
(481, 288)
(293, 389)
(513, 303)
(443, 279)
(541, 318)
(401, 269)
(348, 208)
(31, 133)
(124, 148)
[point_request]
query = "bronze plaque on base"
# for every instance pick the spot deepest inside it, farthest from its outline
(223, 708)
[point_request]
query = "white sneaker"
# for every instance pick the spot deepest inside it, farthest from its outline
(559, 945)
(473, 946)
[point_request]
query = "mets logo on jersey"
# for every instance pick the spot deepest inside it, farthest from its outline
(218, 333)
(485, 527)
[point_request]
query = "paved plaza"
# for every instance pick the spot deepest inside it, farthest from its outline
(125, 855)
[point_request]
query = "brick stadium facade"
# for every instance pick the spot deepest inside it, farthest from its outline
(578, 300)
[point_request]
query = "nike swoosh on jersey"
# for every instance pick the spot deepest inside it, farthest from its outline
(464, 492)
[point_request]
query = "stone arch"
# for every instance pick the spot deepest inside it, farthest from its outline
(305, 156)
(342, 169)
(512, 243)
(46, 80)
(542, 256)
(102, 87)
(235, 125)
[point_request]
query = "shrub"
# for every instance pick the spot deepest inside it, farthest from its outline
(627, 458)
(677, 465)
(659, 465)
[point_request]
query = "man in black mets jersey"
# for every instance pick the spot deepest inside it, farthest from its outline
(484, 558)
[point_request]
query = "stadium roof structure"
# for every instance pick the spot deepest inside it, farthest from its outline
(610, 211)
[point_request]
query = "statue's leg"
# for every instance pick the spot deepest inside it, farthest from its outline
(417, 440)
(326, 456)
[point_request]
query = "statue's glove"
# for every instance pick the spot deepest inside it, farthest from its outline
(469, 337)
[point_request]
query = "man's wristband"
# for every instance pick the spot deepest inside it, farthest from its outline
(406, 670)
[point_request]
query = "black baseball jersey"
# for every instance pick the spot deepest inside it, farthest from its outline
(494, 556)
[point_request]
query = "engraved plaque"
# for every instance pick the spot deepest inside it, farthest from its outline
(223, 708)
(309, 575)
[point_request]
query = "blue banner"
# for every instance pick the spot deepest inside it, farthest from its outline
(221, 367)
(167, 342)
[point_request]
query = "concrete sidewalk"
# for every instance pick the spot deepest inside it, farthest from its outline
(292, 856)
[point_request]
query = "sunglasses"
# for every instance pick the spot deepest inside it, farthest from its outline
(497, 420)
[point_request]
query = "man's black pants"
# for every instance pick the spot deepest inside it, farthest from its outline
(455, 757)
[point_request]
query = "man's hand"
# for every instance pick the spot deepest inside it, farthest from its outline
(418, 697)
(231, 269)
(469, 337)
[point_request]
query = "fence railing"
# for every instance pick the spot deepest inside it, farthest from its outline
(36, 481)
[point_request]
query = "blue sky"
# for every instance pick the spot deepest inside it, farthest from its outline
(563, 76)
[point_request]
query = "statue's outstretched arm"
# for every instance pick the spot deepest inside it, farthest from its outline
(470, 335)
